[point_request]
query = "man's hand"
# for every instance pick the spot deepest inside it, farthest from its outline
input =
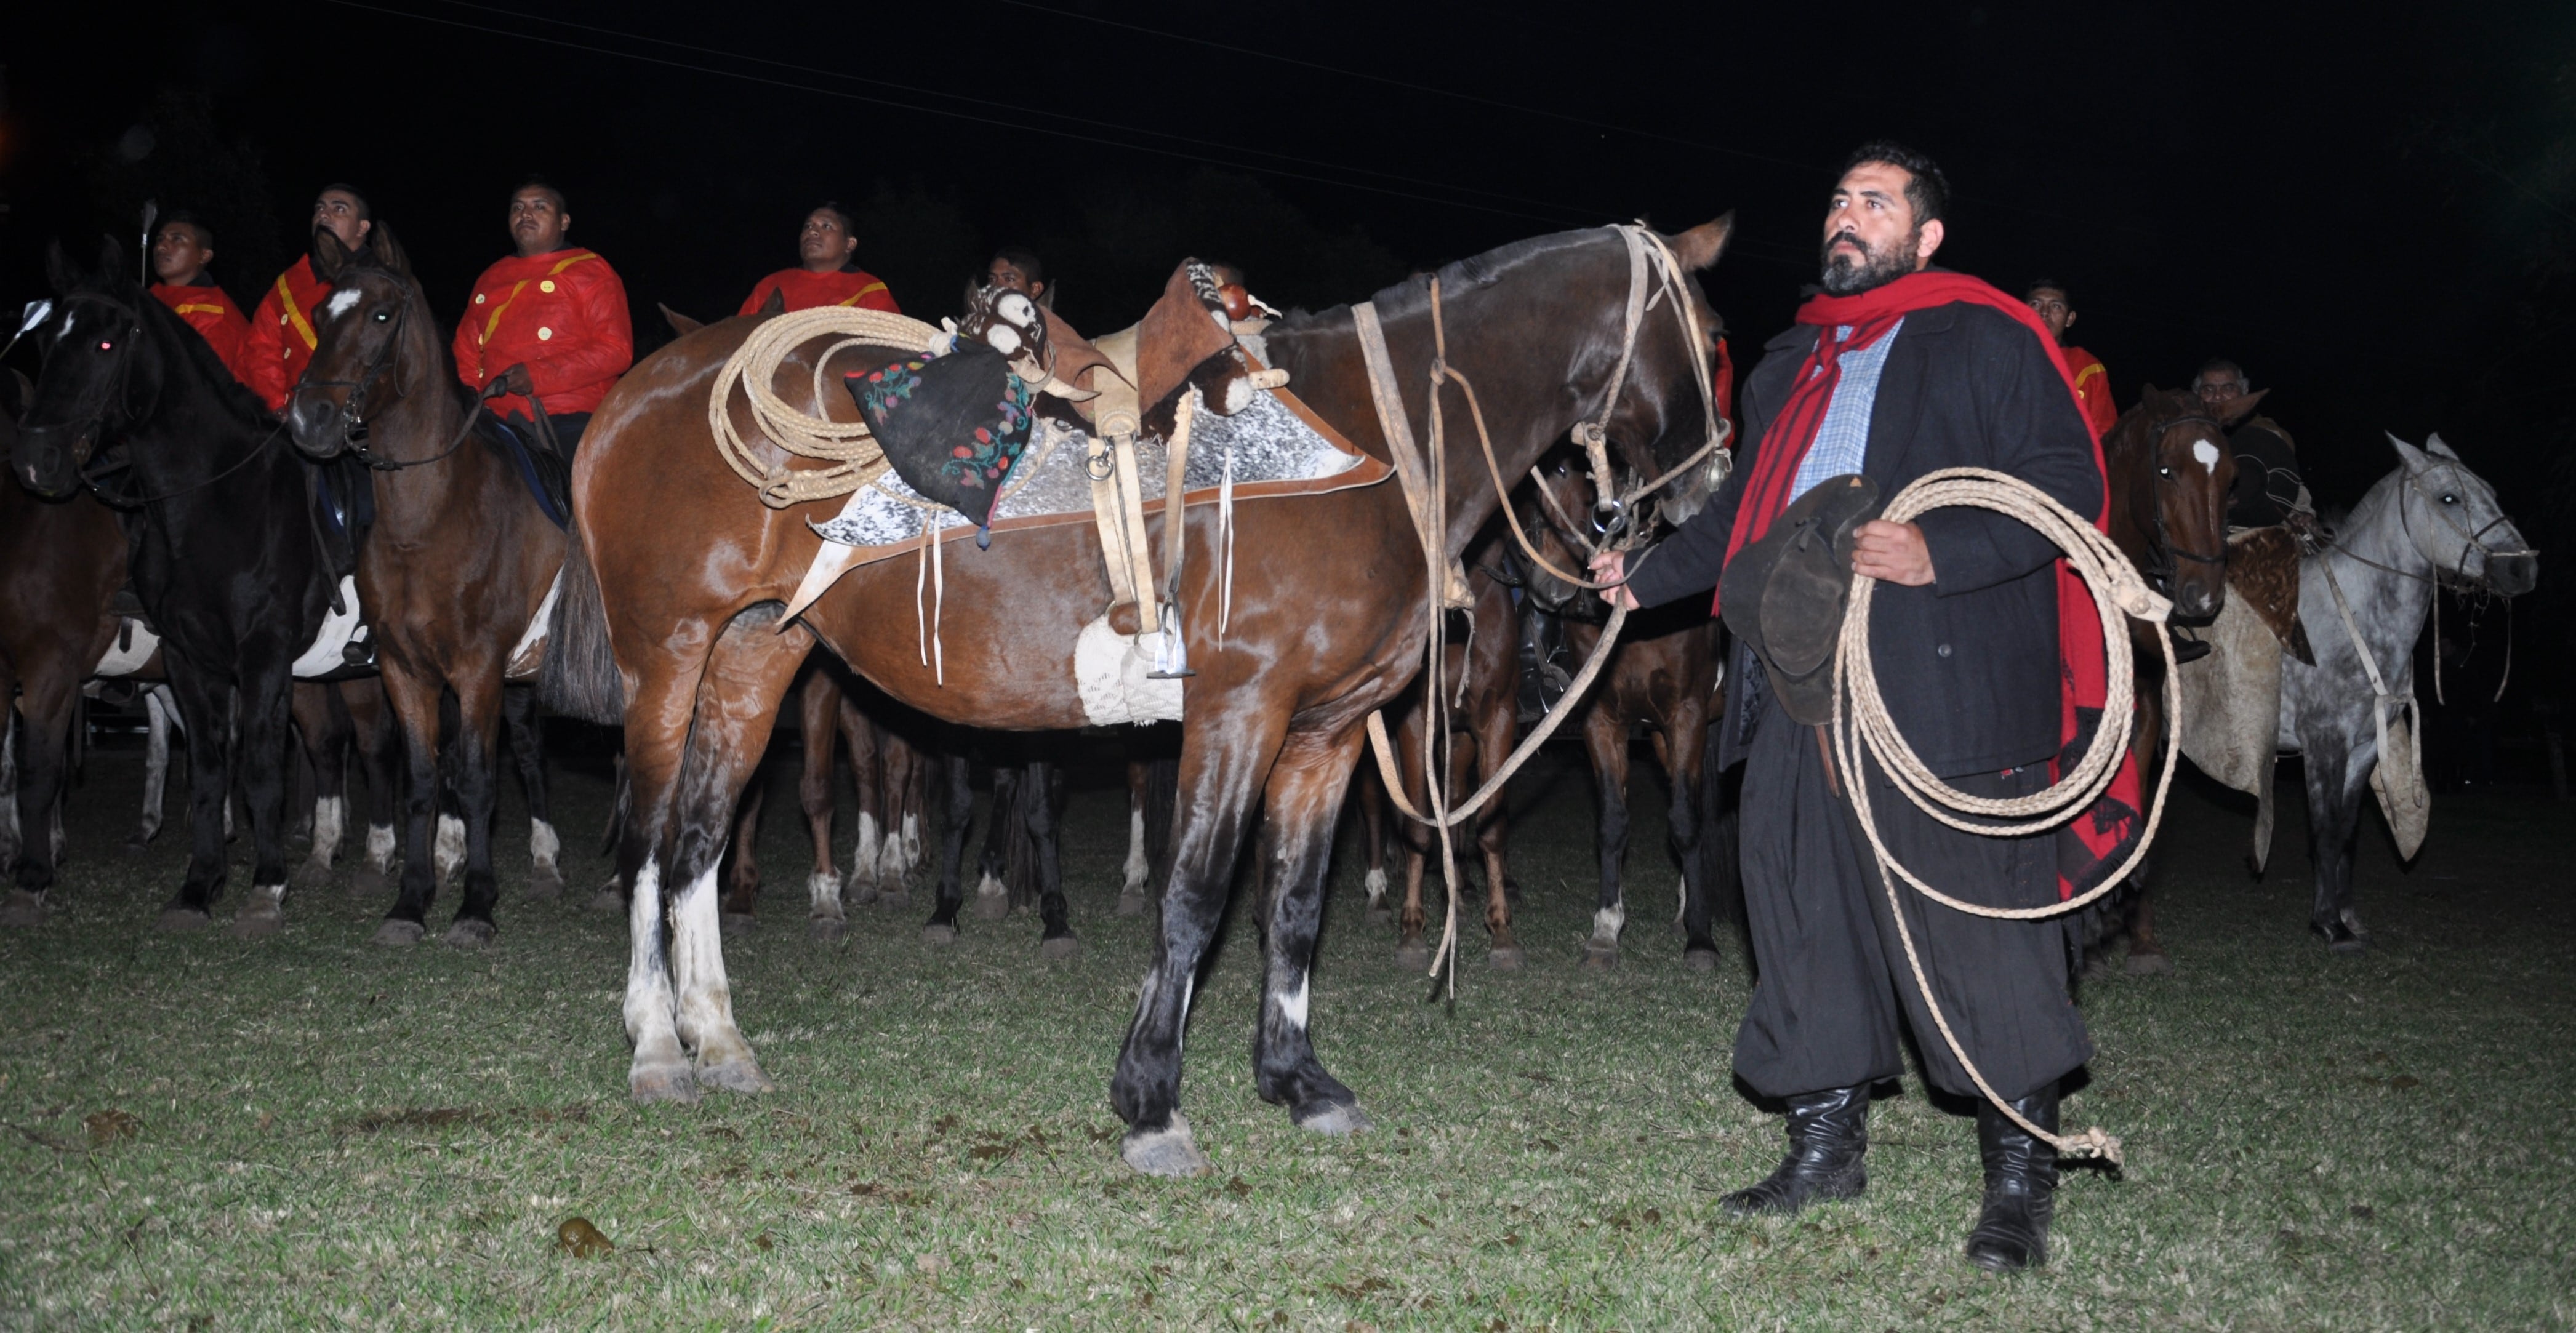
(516, 377)
(1894, 552)
(1612, 567)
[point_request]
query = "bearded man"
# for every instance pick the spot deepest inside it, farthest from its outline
(1896, 370)
(547, 323)
(281, 338)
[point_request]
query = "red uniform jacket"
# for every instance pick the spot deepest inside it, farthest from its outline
(807, 290)
(2092, 388)
(211, 313)
(281, 334)
(562, 314)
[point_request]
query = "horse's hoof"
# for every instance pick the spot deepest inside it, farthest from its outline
(2340, 937)
(1700, 960)
(1413, 957)
(1164, 1152)
(2097, 966)
(397, 933)
(182, 920)
(1333, 1119)
(137, 845)
(1680, 930)
(935, 933)
(860, 892)
(1600, 958)
(609, 899)
(258, 919)
(741, 1074)
(663, 1083)
(1381, 915)
(895, 899)
(22, 911)
(1060, 948)
(367, 882)
(310, 875)
(1505, 960)
(732, 924)
(545, 884)
(827, 929)
(2149, 963)
(468, 933)
(992, 906)
(2349, 947)
(1131, 904)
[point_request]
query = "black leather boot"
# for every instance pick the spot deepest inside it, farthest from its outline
(1828, 1133)
(2021, 1185)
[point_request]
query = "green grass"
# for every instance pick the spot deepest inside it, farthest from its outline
(329, 1134)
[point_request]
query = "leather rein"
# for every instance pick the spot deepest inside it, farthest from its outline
(353, 409)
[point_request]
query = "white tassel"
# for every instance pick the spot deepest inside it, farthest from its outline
(938, 602)
(920, 582)
(1225, 529)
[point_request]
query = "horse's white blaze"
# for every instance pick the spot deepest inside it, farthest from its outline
(380, 846)
(1375, 882)
(1292, 1005)
(824, 888)
(330, 824)
(449, 848)
(340, 302)
(545, 846)
(2207, 454)
(1609, 921)
(1136, 867)
(863, 857)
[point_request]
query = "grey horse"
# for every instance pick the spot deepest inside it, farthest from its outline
(2432, 521)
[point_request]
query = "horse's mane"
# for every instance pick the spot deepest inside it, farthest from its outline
(243, 406)
(1456, 277)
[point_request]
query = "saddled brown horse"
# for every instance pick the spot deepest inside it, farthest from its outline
(2171, 471)
(670, 620)
(452, 574)
(1662, 675)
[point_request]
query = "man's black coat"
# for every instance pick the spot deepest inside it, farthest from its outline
(1968, 664)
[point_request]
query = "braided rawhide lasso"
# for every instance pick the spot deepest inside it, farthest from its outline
(1863, 730)
(848, 445)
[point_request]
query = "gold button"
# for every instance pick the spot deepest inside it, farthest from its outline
(478, 298)
(547, 285)
(544, 333)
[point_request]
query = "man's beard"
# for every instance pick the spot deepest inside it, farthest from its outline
(1847, 276)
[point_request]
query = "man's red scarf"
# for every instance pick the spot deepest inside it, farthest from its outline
(2100, 838)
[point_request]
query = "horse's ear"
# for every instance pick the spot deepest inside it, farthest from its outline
(1699, 247)
(2149, 390)
(388, 251)
(776, 304)
(111, 261)
(2412, 457)
(59, 270)
(329, 256)
(2238, 408)
(2433, 443)
(681, 324)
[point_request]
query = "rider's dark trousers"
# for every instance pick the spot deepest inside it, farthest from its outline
(1834, 984)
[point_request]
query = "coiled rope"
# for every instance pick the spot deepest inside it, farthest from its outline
(847, 445)
(1862, 731)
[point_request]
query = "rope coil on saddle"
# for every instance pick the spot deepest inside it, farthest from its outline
(1862, 731)
(848, 446)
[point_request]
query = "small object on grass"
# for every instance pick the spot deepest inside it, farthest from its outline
(578, 1238)
(111, 1126)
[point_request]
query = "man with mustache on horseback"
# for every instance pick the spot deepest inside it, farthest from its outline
(1893, 371)
(2269, 489)
(281, 335)
(824, 275)
(548, 324)
(180, 252)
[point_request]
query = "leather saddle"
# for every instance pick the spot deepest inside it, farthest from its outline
(1785, 595)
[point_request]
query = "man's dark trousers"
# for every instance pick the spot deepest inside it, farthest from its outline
(1833, 975)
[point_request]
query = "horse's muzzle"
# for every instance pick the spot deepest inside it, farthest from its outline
(2196, 605)
(2513, 575)
(316, 425)
(46, 459)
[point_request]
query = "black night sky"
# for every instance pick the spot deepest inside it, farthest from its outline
(2375, 215)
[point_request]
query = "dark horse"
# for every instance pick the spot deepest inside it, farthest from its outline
(454, 571)
(225, 554)
(1663, 675)
(670, 620)
(2171, 471)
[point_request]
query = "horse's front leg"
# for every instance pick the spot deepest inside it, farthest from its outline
(737, 708)
(959, 817)
(326, 730)
(380, 752)
(1001, 824)
(819, 707)
(519, 709)
(478, 792)
(1056, 938)
(205, 712)
(1605, 741)
(415, 702)
(1300, 807)
(1497, 721)
(264, 716)
(1685, 731)
(2338, 781)
(1224, 760)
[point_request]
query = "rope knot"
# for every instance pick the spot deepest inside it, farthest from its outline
(2094, 1143)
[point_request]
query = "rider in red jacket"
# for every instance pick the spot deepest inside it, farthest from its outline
(824, 275)
(180, 253)
(281, 334)
(548, 322)
(2055, 307)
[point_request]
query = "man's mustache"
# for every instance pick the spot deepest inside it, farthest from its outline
(1854, 237)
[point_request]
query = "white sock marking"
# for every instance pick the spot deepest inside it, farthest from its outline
(449, 847)
(1136, 866)
(911, 839)
(380, 846)
(330, 823)
(545, 846)
(1293, 1007)
(824, 889)
(1375, 882)
(1608, 922)
(863, 857)
(989, 887)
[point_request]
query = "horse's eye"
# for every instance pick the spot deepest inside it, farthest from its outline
(105, 346)
(2449, 499)
(2165, 472)
(384, 316)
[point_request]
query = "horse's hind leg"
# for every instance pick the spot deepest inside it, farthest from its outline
(867, 779)
(737, 708)
(1041, 789)
(264, 704)
(380, 754)
(742, 876)
(1300, 807)
(903, 780)
(1139, 867)
(1224, 760)
(820, 711)
(324, 724)
(960, 816)
(992, 883)
(160, 718)
(417, 707)
(40, 730)
(1373, 881)
(478, 792)
(520, 710)
(1497, 717)
(1605, 741)
(1683, 752)
(2337, 785)
(1411, 953)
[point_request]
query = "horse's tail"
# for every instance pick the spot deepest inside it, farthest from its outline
(580, 677)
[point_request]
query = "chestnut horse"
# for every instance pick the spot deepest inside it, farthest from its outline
(672, 609)
(452, 574)
(1663, 675)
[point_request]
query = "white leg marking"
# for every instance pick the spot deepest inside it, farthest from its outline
(156, 757)
(1375, 883)
(545, 846)
(989, 887)
(275, 893)
(1181, 1029)
(892, 866)
(704, 1008)
(2206, 453)
(449, 849)
(1136, 867)
(825, 890)
(1293, 1006)
(911, 840)
(1681, 898)
(380, 846)
(1608, 922)
(330, 824)
(648, 984)
(863, 857)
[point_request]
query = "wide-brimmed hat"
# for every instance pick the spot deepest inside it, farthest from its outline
(1785, 594)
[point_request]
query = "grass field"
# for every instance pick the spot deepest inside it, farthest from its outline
(310, 1131)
